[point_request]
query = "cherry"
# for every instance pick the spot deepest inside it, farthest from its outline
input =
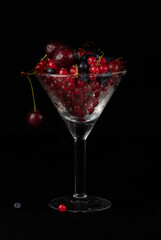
(64, 57)
(52, 47)
(114, 66)
(62, 208)
(35, 119)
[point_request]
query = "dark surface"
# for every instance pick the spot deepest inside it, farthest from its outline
(123, 151)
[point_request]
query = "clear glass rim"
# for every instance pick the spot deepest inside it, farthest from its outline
(80, 75)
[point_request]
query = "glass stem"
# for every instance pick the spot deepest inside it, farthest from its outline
(80, 167)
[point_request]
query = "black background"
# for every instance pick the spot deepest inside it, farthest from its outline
(123, 151)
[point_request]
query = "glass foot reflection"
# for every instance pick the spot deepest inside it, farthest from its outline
(81, 205)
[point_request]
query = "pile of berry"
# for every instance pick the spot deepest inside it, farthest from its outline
(82, 76)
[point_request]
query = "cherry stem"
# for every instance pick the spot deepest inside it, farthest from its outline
(87, 44)
(118, 59)
(32, 90)
(44, 57)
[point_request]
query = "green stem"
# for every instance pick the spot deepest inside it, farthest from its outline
(44, 57)
(32, 90)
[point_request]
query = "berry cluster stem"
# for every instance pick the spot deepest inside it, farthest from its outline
(99, 60)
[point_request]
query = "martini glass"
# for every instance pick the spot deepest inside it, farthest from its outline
(80, 107)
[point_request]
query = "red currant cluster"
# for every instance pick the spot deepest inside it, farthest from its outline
(77, 79)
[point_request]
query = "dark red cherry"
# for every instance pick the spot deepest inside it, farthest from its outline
(52, 47)
(64, 57)
(114, 66)
(35, 119)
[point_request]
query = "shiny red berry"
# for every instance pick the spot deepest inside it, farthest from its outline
(51, 64)
(90, 110)
(95, 69)
(35, 119)
(114, 66)
(71, 83)
(81, 52)
(104, 68)
(77, 91)
(92, 61)
(97, 94)
(103, 61)
(80, 83)
(62, 208)
(63, 71)
(39, 68)
(73, 70)
(92, 77)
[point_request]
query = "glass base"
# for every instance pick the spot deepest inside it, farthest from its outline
(81, 205)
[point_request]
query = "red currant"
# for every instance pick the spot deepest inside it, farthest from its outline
(71, 83)
(73, 70)
(76, 108)
(70, 95)
(97, 94)
(87, 88)
(80, 83)
(111, 82)
(95, 69)
(92, 61)
(96, 85)
(90, 110)
(51, 64)
(95, 103)
(77, 91)
(43, 63)
(92, 77)
(63, 71)
(62, 208)
(81, 52)
(104, 68)
(64, 88)
(103, 61)
(39, 68)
